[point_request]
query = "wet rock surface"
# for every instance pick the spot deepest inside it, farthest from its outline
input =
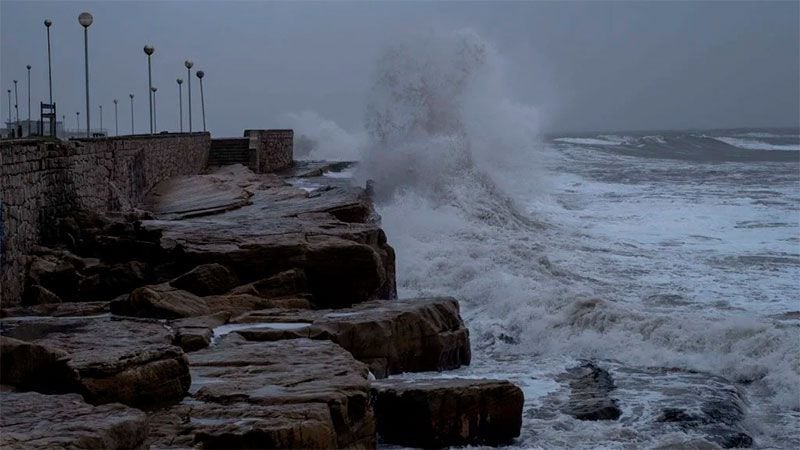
(409, 335)
(32, 420)
(281, 228)
(256, 393)
(447, 412)
(590, 394)
(130, 362)
(242, 311)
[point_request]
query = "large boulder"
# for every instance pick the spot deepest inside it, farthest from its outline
(207, 279)
(57, 275)
(289, 283)
(411, 335)
(288, 394)
(160, 301)
(39, 295)
(105, 281)
(447, 412)
(32, 420)
(125, 361)
(37, 367)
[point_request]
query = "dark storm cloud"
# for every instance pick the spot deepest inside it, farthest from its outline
(587, 66)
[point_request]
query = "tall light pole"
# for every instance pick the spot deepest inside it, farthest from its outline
(131, 96)
(116, 119)
(16, 103)
(29, 98)
(16, 108)
(10, 117)
(47, 24)
(86, 19)
(200, 75)
(180, 102)
(189, 65)
(101, 118)
(77, 120)
(148, 50)
(155, 123)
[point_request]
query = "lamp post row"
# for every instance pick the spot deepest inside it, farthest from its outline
(85, 19)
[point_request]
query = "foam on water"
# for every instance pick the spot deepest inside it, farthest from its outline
(554, 261)
(753, 144)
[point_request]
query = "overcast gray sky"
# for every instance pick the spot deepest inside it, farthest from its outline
(586, 66)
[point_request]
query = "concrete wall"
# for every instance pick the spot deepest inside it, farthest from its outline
(270, 150)
(40, 180)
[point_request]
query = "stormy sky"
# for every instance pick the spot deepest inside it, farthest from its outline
(585, 66)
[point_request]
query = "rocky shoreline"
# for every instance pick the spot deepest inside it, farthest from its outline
(236, 310)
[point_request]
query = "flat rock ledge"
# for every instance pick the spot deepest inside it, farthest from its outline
(33, 420)
(105, 359)
(296, 393)
(447, 412)
(240, 311)
(410, 335)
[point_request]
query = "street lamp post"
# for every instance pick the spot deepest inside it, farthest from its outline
(47, 23)
(29, 98)
(180, 102)
(200, 75)
(148, 50)
(16, 111)
(155, 118)
(16, 103)
(101, 118)
(116, 119)
(189, 65)
(86, 19)
(10, 117)
(131, 96)
(77, 120)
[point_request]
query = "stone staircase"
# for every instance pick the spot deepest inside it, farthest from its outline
(227, 151)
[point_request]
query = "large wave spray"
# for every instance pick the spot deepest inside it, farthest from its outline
(466, 201)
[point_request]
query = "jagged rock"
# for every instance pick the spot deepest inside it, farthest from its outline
(411, 335)
(206, 279)
(36, 367)
(39, 295)
(287, 394)
(447, 412)
(160, 301)
(284, 284)
(32, 420)
(589, 399)
(58, 276)
(126, 361)
(195, 333)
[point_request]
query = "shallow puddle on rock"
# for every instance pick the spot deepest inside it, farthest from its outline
(222, 330)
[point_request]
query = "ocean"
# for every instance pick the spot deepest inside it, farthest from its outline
(669, 259)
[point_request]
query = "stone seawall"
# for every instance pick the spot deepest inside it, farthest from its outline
(270, 150)
(41, 180)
